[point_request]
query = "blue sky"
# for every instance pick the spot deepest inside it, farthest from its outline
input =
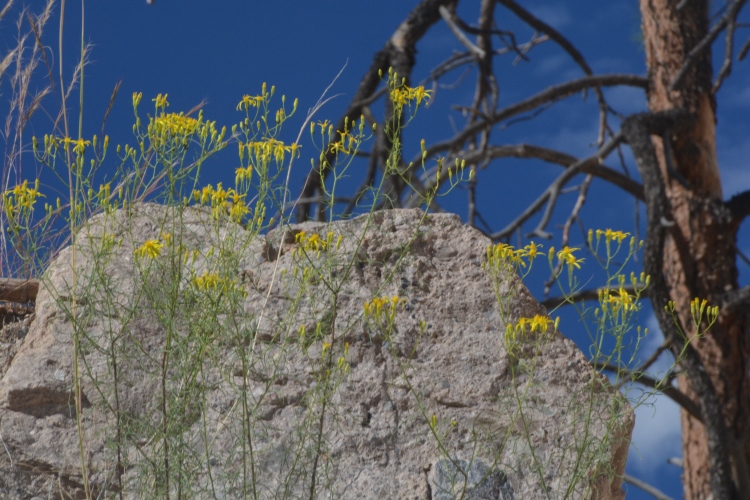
(217, 51)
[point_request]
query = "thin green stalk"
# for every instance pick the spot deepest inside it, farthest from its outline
(73, 196)
(326, 390)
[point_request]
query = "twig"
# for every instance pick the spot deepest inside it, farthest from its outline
(651, 490)
(448, 18)
(583, 190)
(670, 391)
(581, 296)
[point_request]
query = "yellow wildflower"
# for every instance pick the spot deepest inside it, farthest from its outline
(79, 145)
(566, 256)
(150, 249)
(161, 101)
(420, 94)
(532, 250)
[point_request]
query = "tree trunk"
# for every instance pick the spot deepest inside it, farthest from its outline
(699, 255)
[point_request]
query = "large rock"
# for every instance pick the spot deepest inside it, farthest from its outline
(218, 386)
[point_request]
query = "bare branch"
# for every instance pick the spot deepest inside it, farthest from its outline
(555, 35)
(670, 391)
(737, 299)
(551, 94)
(739, 206)
(743, 51)
(18, 290)
(581, 296)
(551, 193)
(655, 356)
(531, 151)
(448, 18)
(603, 172)
(692, 57)
(583, 190)
(640, 484)
(568, 47)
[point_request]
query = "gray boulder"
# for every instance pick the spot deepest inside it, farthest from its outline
(238, 365)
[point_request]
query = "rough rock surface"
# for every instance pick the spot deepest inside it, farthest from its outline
(357, 429)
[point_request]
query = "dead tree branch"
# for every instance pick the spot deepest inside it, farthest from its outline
(572, 51)
(398, 52)
(739, 206)
(552, 94)
(584, 295)
(552, 192)
(729, 17)
(17, 290)
(670, 391)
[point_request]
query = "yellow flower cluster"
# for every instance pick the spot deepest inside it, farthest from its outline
(403, 95)
(172, 129)
(109, 242)
(349, 140)
(618, 300)
(502, 254)
(314, 243)
(264, 151)
(260, 103)
(517, 333)
(257, 101)
(104, 196)
(383, 309)
(243, 174)
(152, 248)
(160, 100)
(212, 282)
(20, 198)
(698, 307)
(610, 235)
(248, 102)
(325, 127)
(347, 144)
(221, 201)
(206, 281)
(52, 144)
(79, 145)
(537, 324)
